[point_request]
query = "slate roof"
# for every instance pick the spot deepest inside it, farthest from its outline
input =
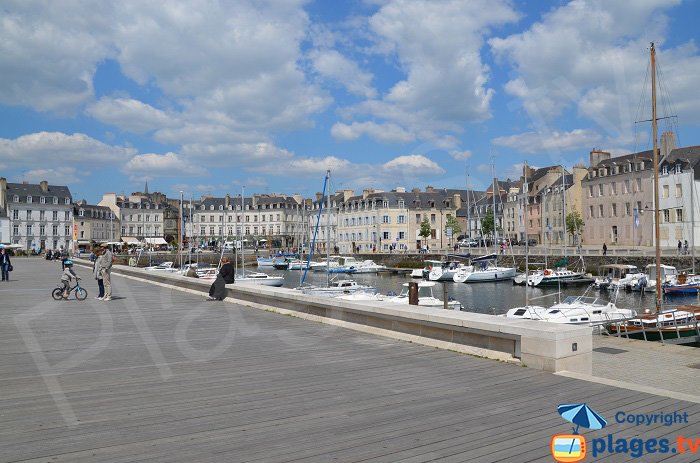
(34, 190)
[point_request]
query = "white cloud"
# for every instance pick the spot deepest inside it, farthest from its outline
(546, 143)
(461, 155)
(56, 175)
(129, 114)
(302, 166)
(591, 55)
(51, 148)
(330, 64)
(385, 133)
(445, 82)
(413, 164)
(166, 165)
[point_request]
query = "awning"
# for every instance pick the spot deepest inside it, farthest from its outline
(155, 241)
(83, 242)
(130, 240)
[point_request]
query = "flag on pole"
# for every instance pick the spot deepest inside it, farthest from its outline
(636, 218)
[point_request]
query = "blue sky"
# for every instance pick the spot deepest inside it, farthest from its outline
(210, 96)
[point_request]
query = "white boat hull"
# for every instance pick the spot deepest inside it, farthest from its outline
(490, 274)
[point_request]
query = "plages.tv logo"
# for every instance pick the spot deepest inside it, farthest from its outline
(570, 448)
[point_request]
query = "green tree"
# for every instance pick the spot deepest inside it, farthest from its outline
(425, 230)
(574, 223)
(454, 225)
(487, 228)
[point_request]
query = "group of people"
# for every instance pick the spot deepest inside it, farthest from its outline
(101, 270)
(682, 247)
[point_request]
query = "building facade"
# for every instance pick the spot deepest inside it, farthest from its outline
(40, 215)
(94, 224)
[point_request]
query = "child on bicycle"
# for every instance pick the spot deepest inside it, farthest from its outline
(68, 275)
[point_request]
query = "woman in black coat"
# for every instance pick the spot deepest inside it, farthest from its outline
(217, 291)
(5, 264)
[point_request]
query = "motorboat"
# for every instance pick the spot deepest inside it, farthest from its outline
(259, 278)
(337, 288)
(368, 266)
(264, 261)
(682, 284)
(554, 277)
(483, 269)
(427, 267)
(207, 273)
(443, 272)
(647, 282)
(162, 267)
(616, 276)
(576, 310)
(426, 298)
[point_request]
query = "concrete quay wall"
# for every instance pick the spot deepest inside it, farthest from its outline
(544, 346)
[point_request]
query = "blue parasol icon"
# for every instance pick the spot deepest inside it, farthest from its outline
(581, 415)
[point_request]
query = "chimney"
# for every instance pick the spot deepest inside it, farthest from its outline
(44, 186)
(319, 195)
(415, 190)
(227, 201)
(597, 156)
(457, 201)
(365, 193)
(3, 189)
(668, 144)
(400, 189)
(429, 189)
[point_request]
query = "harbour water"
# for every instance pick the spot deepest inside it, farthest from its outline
(492, 297)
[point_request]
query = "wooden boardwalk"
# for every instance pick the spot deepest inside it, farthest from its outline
(159, 375)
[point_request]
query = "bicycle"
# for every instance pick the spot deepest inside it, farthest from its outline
(80, 293)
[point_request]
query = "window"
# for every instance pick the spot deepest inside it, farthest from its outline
(401, 219)
(590, 212)
(42, 215)
(432, 218)
(15, 230)
(679, 168)
(627, 209)
(418, 218)
(15, 198)
(613, 210)
(667, 216)
(626, 187)
(664, 169)
(402, 235)
(679, 190)
(42, 200)
(386, 235)
(613, 188)
(600, 211)
(600, 190)
(679, 215)
(66, 230)
(42, 230)
(29, 199)
(639, 184)
(67, 201)
(664, 191)
(29, 230)
(386, 219)
(29, 214)
(590, 191)
(55, 200)
(15, 215)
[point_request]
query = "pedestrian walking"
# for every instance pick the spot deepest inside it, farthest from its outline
(680, 245)
(97, 251)
(5, 264)
(685, 247)
(605, 249)
(105, 271)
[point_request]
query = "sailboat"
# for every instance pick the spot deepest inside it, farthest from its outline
(663, 325)
(255, 278)
(335, 288)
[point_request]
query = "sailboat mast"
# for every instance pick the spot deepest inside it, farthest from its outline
(493, 197)
(526, 189)
(242, 235)
(328, 231)
(469, 222)
(654, 129)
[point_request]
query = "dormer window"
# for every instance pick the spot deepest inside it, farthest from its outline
(15, 198)
(29, 199)
(221, 207)
(42, 200)
(55, 200)
(211, 208)
(81, 212)
(67, 200)
(679, 168)
(204, 208)
(664, 169)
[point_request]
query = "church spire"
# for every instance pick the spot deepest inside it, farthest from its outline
(145, 190)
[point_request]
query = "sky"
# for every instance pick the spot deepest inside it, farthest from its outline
(212, 97)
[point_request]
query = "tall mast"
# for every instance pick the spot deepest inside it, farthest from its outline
(242, 232)
(328, 231)
(654, 129)
(526, 189)
(469, 229)
(563, 206)
(493, 197)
